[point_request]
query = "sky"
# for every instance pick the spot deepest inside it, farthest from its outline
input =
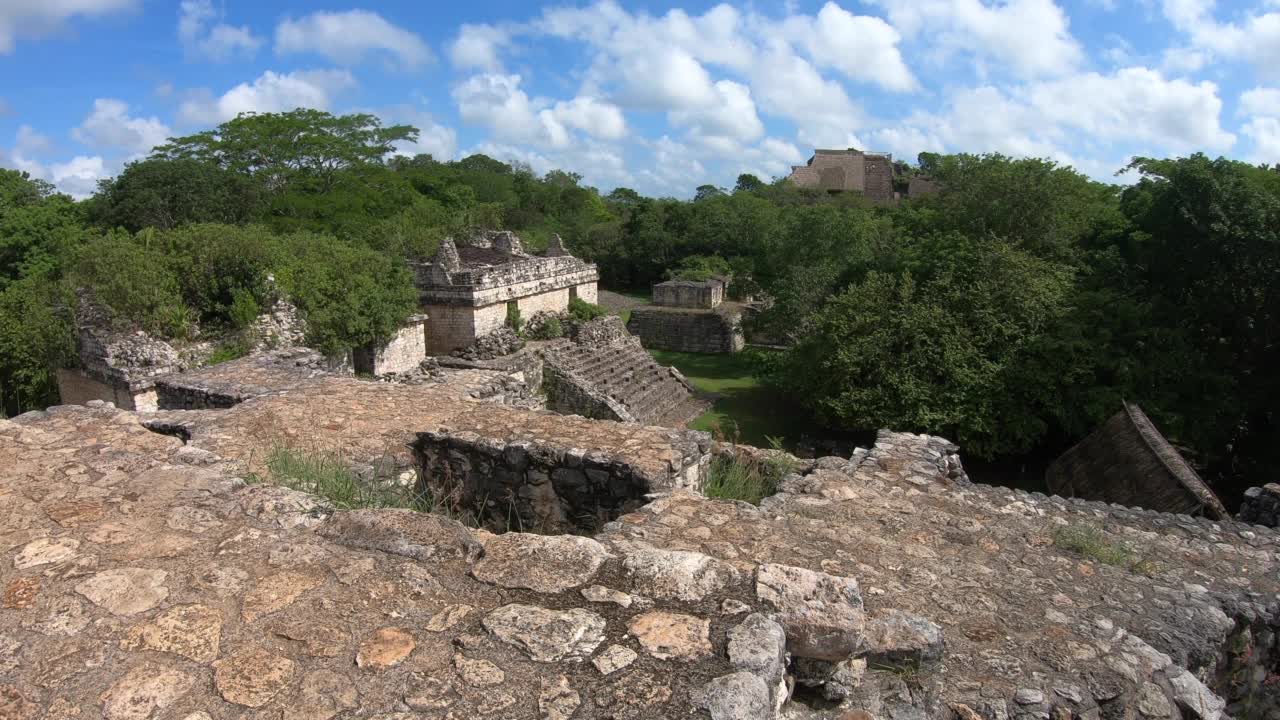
(658, 96)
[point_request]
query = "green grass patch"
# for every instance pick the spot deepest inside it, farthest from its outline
(232, 350)
(331, 478)
(743, 409)
(749, 480)
(1090, 542)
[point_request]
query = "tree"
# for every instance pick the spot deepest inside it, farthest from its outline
(281, 149)
(165, 193)
(706, 192)
(748, 183)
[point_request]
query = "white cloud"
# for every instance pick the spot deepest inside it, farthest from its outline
(1255, 38)
(79, 176)
(664, 79)
(497, 102)
(731, 115)
(1261, 101)
(862, 47)
(38, 18)
(788, 85)
(270, 92)
(109, 125)
(438, 141)
(30, 142)
(478, 46)
(346, 37)
(1262, 105)
(219, 42)
(1028, 38)
(1265, 134)
(1136, 104)
(592, 116)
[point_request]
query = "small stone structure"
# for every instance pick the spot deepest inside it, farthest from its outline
(1127, 461)
(848, 170)
(684, 330)
(230, 383)
(1261, 505)
(706, 294)
(402, 353)
(534, 486)
(467, 288)
(605, 373)
(115, 366)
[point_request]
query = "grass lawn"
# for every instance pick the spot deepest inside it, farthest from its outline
(740, 400)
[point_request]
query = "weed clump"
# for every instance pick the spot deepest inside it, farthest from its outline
(1090, 542)
(327, 476)
(749, 479)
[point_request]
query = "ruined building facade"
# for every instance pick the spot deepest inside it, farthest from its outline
(848, 170)
(469, 287)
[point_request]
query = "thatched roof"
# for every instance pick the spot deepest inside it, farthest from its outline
(1127, 461)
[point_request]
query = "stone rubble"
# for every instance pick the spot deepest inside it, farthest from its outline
(137, 584)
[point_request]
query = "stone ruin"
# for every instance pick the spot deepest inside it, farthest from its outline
(688, 316)
(467, 289)
(604, 372)
(144, 578)
(402, 353)
(848, 170)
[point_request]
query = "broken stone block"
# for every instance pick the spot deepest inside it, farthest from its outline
(672, 636)
(822, 614)
(738, 696)
(897, 638)
(548, 635)
(542, 563)
(421, 536)
(674, 574)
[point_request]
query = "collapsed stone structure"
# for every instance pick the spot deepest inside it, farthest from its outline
(689, 316)
(402, 353)
(469, 287)
(143, 578)
(603, 372)
(848, 170)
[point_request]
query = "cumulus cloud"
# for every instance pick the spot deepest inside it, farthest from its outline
(347, 37)
(1027, 38)
(730, 115)
(861, 47)
(478, 46)
(592, 116)
(1262, 108)
(110, 125)
(270, 92)
(788, 85)
(1254, 38)
(30, 143)
(203, 38)
(497, 101)
(38, 19)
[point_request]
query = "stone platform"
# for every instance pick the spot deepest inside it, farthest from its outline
(142, 578)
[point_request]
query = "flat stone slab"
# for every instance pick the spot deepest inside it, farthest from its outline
(545, 564)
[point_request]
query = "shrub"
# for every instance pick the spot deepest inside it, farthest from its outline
(231, 350)
(514, 321)
(548, 329)
(329, 477)
(1090, 542)
(583, 311)
(243, 310)
(135, 283)
(746, 478)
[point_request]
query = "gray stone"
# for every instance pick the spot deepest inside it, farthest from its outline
(1028, 696)
(894, 637)
(1152, 701)
(758, 644)
(1196, 700)
(600, 593)
(542, 563)
(822, 613)
(614, 658)
(738, 696)
(421, 536)
(548, 635)
(674, 574)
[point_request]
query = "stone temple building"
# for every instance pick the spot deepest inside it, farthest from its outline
(689, 316)
(467, 289)
(848, 170)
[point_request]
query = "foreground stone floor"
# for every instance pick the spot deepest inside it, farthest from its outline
(140, 577)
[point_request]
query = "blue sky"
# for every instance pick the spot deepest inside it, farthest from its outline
(661, 97)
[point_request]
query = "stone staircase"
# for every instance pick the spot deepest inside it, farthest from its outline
(623, 372)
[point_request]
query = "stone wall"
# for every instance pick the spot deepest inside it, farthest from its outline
(699, 331)
(533, 486)
(569, 394)
(878, 182)
(587, 292)
(688, 294)
(75, 387)
(404, 352)
(450, 327)
(511, 281)
(1261, 505)
(552, 301)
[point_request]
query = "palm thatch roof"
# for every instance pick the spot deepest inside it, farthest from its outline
(1127, 461)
